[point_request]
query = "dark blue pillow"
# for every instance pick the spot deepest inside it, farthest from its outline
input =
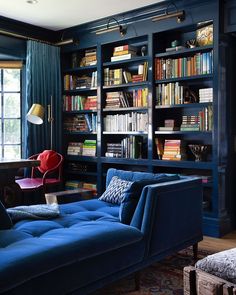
(133, 193)
(5, 220)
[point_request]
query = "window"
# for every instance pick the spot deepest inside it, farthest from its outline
(10, 113)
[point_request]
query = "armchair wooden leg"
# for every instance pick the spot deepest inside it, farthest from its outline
(137, 280)
(195, 251)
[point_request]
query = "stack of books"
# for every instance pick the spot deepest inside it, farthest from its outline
(142, 73)
(85, 81)
(118, 99)
(173, 150)
(81, 123)
(75, 148)
(73, 184)
(90, 57)
(169, 125)
(89, 148)
(90, 103)
(91, 186)
(114, 150)
(190, 123)
(123, 52)
(206, 95)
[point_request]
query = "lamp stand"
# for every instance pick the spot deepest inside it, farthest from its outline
(50, 120)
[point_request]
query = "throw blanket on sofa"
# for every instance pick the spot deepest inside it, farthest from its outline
(41, 211)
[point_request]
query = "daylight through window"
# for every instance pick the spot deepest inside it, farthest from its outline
(10, 112)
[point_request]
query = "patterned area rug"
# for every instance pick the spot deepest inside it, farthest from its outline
(161, 278)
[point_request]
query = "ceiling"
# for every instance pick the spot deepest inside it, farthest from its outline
(61, 14)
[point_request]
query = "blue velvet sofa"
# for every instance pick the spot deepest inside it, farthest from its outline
(88, 246)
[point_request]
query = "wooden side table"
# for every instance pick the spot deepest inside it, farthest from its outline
(68, 196)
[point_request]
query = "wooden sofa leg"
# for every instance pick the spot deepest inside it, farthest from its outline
(137, 280)
(195, 251)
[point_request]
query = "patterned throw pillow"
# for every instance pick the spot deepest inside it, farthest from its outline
(115, 192)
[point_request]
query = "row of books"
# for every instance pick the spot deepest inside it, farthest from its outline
(72, 82)
(133, 121)
(75, 184)
(86, 148)
(124, 52)
(122, 99)
(77, 102)
(203, 121)
(129, 147)
(199, 64)
(169, 94)
(121, 76)
(81, 123)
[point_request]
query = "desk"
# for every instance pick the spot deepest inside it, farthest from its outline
(9, 189)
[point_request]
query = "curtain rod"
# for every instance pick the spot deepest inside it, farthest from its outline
(24, 37)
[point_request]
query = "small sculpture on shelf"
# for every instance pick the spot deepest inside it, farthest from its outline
(191, 43)
(199, 151)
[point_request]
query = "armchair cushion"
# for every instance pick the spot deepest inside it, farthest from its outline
(48, 160)
(5, 220)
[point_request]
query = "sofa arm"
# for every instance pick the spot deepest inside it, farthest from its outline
(170, 214)
(198, 282)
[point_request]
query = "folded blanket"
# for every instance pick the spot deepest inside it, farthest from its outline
(41, 211)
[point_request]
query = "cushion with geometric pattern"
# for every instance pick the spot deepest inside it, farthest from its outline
(115, 192)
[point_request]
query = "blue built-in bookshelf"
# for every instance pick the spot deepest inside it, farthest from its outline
(152, 107)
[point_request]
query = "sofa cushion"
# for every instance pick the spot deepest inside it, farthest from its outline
(5, 220)
(114, 192)
(221, 264)
(77, 235)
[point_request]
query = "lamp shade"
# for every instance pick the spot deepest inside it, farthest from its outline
(35, 114)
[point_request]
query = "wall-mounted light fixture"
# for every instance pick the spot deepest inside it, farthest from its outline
(178, 14)
(112, 27)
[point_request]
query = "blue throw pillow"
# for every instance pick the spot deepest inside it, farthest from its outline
(5, 220)
(115, 190)
(133, 193)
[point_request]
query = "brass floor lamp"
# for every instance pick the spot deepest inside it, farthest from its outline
(36, 116)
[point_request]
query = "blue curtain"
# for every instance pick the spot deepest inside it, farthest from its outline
(43, 80)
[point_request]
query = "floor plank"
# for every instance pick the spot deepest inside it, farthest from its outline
(216, 245)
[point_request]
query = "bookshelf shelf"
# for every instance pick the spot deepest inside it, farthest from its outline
(124, 161)
(205, 133)
(125, 133)
(80, 112)
(125, 62)
(184, 52)
(80, 69)
(81, 158)
(186, 105)
(125, 109)
(78, 91)
(127, 85)
(183, 164)
(182, 79)
(79, 133)
(69, 171)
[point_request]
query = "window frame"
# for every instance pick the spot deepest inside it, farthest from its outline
(2, 118)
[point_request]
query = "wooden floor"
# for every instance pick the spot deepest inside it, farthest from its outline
(216, 245)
